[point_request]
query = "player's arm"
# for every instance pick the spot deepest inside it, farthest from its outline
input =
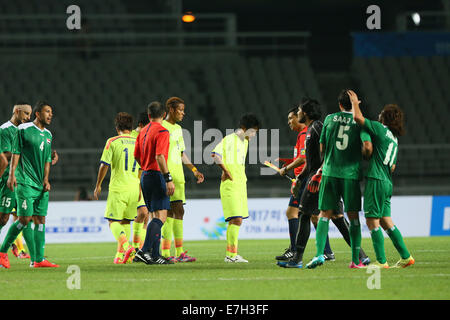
(102, 171)
(3, 163)
(218, 161)
(197, 174)
(55, 157)
(357, 114)
(12, 182)
(46, 183)
(162, 147)
(294, 164)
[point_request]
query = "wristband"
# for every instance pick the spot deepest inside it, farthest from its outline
(167, 177)
(194, 169)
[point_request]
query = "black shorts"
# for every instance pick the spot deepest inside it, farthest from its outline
(295, 201)
(154, 191)
(309, 202)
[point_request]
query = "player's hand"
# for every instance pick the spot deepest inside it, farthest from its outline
(283, 171)
(47, 186)
(11, 183)
(55, 157)
(170, 186)
(353, 97)
(199, 176)
(226, 175)
(97, 191)
(314, 183)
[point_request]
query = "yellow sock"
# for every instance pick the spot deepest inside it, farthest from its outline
(178, 235)
(166, 237)
(19, 242)
(232, 240)
(119, 233)
(137, 230)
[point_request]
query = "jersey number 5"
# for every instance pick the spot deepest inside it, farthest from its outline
(342, 145)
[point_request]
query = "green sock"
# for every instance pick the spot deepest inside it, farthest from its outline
(321, 235)
(11, 236)
(28, 235)
(378, 244)
(178, 236)
(137, 237)
(355, 239)
(397, 240)
(39, 240)
(166, 237)
(232, 240)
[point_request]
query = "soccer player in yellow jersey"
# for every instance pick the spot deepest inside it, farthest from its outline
(173, 227)
(124, 195)
(141, 221)
(230, 156)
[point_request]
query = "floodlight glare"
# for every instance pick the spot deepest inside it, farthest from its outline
(416, 18)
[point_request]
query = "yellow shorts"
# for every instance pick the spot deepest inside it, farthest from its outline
(179, 194)
(122, 205)
(233, 196)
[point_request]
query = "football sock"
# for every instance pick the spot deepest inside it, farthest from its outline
(355, 239)
(232, 240)
(178, 236)
(293, 228)
(39, 240)
(166, 236)
(321, 235)
(153, 237)
(12, 234)
(19, 242)
(127, 228)
(327, 243)
(343, 227)
(378, 244)
(304, 230)
(137, 234)
(143, 234)
(28, 235)
(397, 240)
(119, 234)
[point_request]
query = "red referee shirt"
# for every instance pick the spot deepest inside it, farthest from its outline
(152, 140)
(299, 150)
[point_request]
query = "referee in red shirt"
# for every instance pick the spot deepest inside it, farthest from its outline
(151, 151)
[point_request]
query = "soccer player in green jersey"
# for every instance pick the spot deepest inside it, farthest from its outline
(340, 143)
(377, 194)
(142, 218)
(21, 114)
(173, 227)
(230, 156)
(32, 155)
(124, 194)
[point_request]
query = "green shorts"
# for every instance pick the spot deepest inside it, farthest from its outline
(179, 194)
(7, 198)
(333, 189)
(377, 198)
(233, 196)
(31, 201)
(122, 205)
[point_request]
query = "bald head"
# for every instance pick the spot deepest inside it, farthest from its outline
(21, 113)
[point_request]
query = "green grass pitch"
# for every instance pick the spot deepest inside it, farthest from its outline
(210, 278)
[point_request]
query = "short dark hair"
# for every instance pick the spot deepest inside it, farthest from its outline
(248, 121)
(393, 118)
(173, 102)
(156, 110)
(312, 108)
(124, 121)
(294, 109)
(344, 100)
(39, 106)
(143, 119)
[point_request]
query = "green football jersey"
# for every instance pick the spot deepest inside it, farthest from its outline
(8, 133)
(341, 138)
(233, 151)
(176, 147)
(35, 148)
(385, 148)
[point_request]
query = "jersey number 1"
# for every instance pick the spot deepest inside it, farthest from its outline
(126, 161)
(390, 155)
